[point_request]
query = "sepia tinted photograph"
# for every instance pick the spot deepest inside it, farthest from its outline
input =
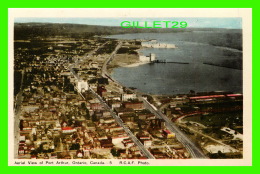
(128, 90)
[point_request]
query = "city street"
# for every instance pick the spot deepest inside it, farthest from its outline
(191, 147)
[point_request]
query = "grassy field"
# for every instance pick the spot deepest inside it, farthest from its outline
(234, 120)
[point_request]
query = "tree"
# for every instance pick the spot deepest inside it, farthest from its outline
(21, 125)
(75, 146)
(114, 152)
(83, 105)
(87, 114)
(94, 118)
(220, 154)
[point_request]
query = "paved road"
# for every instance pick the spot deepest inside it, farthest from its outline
(212, 139)
(189, 145)
(104, 67)
(126, 129)
(116, 117)
(70, 67)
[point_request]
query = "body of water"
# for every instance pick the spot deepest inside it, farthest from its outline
(193, 48)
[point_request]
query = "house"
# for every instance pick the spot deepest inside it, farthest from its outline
(168, 134)
(114, 104)
(101, 90)
(68, 130)
(107, 143)
(122, 110)
(136, 105)
(118, 137)
(96, 106)
(128, 96)
(128, 142)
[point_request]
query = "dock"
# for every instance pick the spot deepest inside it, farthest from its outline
(164, 61)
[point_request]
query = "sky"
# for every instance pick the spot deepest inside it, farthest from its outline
(230, 23)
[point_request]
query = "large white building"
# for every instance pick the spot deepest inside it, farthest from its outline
(157, 45)
(82, 85)
(127, 96)
(150, 58)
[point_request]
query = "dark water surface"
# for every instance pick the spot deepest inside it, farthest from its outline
(194, 48)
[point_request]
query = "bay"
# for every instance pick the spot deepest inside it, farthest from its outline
(194, 48)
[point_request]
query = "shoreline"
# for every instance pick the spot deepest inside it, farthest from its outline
(135, 64)
(123, 60)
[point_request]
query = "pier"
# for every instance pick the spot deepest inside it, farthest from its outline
(164, 61)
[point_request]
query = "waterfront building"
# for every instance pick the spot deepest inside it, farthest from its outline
(150, 58)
